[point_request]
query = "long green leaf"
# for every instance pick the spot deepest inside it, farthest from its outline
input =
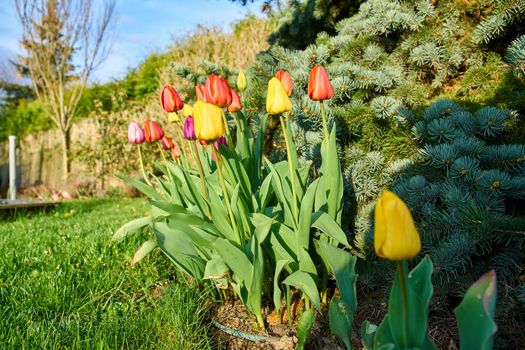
(303, 328)
(305, 216)
(277, 293)
(236, 260)
(144, 250)
(342, 264)
(255, 289)
(341, 319)
(475, 314)
(142, 187)
(131, 227)
(329, 226)
(179, 249)
(306, 284)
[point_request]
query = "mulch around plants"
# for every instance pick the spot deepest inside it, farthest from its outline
(372, 306)
(278, 335)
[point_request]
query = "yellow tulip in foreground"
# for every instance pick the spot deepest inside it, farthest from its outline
(277, 100)
(395, 235)
(208, 121)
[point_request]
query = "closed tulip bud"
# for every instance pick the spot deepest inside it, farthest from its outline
(217, 91)
(189, 128)
(152, 131)
(170, 99)
(286, 80)
(395, 235)
(319, 87)
(241, 81)
(199, 92)
(220, 141)
(187, 110)
(236, 103)
(135, 133)
(277, 100)
(167, 144)
(175, 151)
(207, 119)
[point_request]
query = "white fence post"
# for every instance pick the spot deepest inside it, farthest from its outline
(12, 167)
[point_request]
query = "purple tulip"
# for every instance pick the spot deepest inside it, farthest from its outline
(135, 133)
(220, 141)
(189, 129)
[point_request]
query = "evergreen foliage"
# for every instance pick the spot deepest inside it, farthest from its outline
(466, 192)
(515, 56)
(301, 21)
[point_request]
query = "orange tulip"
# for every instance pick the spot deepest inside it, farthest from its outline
(286, 80)
(319, 87)
(175, 151)
(217, 91)
(170, 99)
(236, 103)
(152, 131)
(199, 91)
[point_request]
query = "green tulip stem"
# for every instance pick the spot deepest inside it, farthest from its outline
(170, 177)
(142, 166)
(238, 125)
(199, 166)
(307, 305)
(325, 124)
(181, 143)
(289, 304)
(162, 153)
(290, 168)
(226, 196)
(175, 160)
(404, 294)
(225, 121)
(227, 129)
(324, 286)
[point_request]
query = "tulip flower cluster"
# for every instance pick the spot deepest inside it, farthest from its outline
(249, 222)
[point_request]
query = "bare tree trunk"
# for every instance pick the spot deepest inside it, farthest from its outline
(66, 147)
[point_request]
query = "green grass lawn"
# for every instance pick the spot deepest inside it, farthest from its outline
(65, 284)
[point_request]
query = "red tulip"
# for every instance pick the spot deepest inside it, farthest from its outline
(152, 131)
(236, 103)
(286, 80)
(199, 91)
(319, 87)
(167, 144)
(217, 91)
(170, 99)
(135, 133)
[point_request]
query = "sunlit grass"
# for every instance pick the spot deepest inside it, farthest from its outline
(64, 284)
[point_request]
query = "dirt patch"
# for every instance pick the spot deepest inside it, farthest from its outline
(277, 335)
(281, 334)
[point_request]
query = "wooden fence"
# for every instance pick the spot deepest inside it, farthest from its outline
(39, 159)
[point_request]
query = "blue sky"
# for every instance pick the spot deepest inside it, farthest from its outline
(142, 27)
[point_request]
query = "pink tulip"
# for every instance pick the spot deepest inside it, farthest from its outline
(135, 133)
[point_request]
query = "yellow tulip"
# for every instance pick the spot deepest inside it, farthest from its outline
(173, 117)
(241, 81)
(208, 121)
(277, 100)
(395, 235)
(187, 110)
